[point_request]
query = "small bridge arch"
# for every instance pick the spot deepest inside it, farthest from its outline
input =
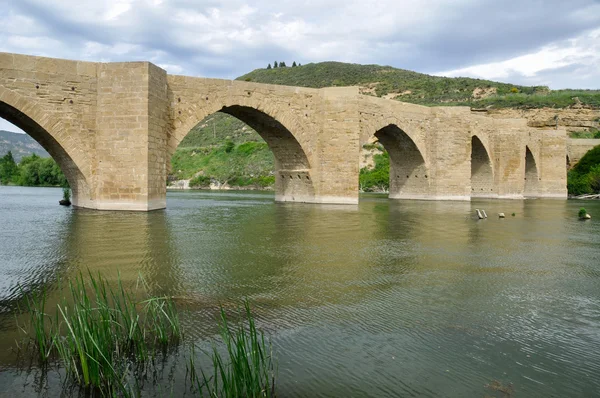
(482, 170)
(532, 177)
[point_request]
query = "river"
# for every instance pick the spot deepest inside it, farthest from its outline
(386, 298)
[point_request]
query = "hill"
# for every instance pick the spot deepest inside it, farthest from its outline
(419, 88)
(21, 145)
(222, 151)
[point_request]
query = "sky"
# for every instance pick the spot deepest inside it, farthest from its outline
(530, 42)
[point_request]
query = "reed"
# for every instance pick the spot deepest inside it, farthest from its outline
(242, 361)
(102, 334)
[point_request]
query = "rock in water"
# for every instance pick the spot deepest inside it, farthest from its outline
(587, 216)
(501, 215)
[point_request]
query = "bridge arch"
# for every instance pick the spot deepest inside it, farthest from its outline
(532, 179)
(409, 176)
(49, 132)
(283, 134)
(482, 171)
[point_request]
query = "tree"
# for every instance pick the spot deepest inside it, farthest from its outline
(282, 64)
(8, 169)
(269, 67)
(294, 64)
(275, 64)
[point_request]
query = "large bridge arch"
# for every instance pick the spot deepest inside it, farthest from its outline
(49, 132)
(278, 126)
(482, 170)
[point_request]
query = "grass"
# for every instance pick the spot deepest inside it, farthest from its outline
(590, 133)
(108, 342)
(242, 362)
(248, 163)
(100, 334)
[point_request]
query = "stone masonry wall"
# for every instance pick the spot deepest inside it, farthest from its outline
(113, 128)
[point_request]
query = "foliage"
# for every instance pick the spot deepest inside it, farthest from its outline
(66, 194)
(590, 133)
(31, 171)
(101, 335)
(8, 169)
(228, 146)
(582, 212)
(269, 66)
(584, 177)
(200, 181)
(243, 367)
(378, 178)
(247, 164)
(423, 89)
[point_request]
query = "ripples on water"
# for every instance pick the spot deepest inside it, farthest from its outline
(385, 298)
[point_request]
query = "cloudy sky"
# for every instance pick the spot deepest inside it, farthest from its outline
(532, 42)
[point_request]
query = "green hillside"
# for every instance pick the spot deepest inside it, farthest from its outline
(222, 149)
(420, 88)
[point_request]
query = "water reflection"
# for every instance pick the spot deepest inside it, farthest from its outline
(385, 298)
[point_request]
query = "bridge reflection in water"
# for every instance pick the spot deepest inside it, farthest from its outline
(414, 297)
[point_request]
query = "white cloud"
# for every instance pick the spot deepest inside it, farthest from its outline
(227, 38)
(582, 52)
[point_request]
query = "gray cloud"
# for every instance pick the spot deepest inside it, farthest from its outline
(231, 37)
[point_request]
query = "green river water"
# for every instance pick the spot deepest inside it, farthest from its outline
(386, 298)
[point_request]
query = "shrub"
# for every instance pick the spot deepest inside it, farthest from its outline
(200, 181)
(582, 212)
(377, 179)
(229, 146)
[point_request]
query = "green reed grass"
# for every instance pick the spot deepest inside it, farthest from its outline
(101, 334)
(242, 363)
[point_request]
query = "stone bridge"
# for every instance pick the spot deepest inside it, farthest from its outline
(113, 127)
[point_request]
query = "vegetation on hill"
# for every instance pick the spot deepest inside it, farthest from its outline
(20, 145)
(31, 171)
(419, 88)
(584, 177)
(223, 150)
(589, 133)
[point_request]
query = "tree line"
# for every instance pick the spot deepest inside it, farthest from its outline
(282, 65)
(31, 171)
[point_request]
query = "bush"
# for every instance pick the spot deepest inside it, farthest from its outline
(229, 146)
(582, 212)
(378, 178)
(584, 177)
(200, 181)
